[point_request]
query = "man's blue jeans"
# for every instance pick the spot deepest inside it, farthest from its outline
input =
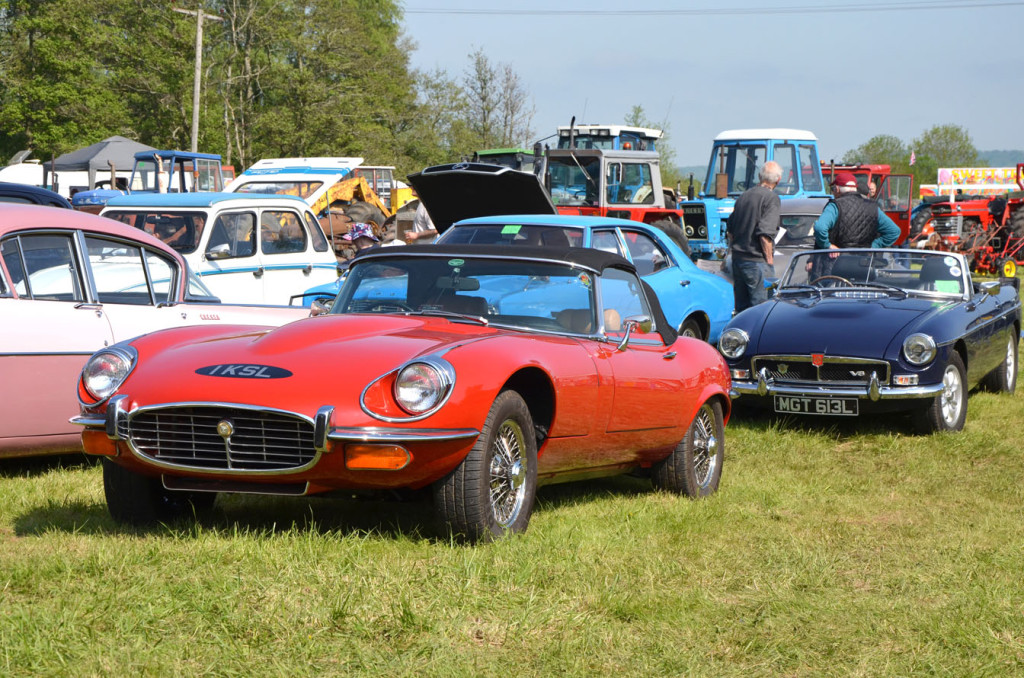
(748, 282)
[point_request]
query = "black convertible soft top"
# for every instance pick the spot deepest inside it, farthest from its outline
(595, 260)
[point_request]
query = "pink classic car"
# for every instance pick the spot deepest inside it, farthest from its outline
(72, 283)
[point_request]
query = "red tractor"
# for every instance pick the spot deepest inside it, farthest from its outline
(988, 230)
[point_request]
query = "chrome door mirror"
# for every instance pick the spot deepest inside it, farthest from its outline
(634, 323)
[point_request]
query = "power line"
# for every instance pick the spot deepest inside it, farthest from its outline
(906, 5)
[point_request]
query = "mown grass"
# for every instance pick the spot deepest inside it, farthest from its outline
(830, 550)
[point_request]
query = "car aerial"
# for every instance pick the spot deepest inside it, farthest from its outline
(855, 332)
(247, 248)
(478, 372)
(72, 283)
(31, 195)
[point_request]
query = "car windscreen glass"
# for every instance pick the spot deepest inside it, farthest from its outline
(513, 234)
(928, 273)
(518, 293)
(797, 231)
(573, 183)
(739, 162)
(182, 229)
(303, 189)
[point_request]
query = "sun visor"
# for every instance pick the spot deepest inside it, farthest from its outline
(473, 189)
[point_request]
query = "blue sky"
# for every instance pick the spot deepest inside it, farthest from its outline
(847, 71)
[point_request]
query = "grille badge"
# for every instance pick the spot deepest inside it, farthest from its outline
(225, 428)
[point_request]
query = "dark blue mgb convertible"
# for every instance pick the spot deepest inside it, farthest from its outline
(858, 331)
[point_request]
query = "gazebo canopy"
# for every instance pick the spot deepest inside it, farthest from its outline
(91, 159)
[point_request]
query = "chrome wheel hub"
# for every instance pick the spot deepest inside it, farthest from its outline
(952, 396)
(508, 473)
(705, 446)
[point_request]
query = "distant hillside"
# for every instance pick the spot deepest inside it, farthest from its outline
(697, 171)
(1002, 158)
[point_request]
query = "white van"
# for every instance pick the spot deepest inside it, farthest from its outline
(247, 248)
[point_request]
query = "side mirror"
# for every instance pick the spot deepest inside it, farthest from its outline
(991, 287)
(634, 323)
(320, 306)
(222, 251)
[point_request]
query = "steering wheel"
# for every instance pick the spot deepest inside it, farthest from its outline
(831, 277)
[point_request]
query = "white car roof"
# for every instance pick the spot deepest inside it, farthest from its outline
(766, 133)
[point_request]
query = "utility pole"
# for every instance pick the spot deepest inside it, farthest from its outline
(199, 15)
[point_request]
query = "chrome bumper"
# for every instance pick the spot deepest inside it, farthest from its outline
(873, 391)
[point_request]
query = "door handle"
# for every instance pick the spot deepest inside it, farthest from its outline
(258, 273)
(308, 269)
(669, 356)
(684, 283)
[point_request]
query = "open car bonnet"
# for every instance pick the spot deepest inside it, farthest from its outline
(472, 189)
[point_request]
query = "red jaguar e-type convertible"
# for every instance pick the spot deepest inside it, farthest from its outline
(478, 371)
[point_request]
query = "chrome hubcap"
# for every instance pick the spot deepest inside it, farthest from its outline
(508, 473)
(1011, 363)
(705, 446)
(951, 398)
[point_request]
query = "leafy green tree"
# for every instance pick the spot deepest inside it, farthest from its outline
(883, 149)
(54, 87)
(942, 146)
(670, 175)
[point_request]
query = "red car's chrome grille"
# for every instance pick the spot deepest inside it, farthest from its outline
(831, 370)
(223, 438)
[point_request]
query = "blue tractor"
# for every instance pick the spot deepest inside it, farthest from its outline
(736, 158)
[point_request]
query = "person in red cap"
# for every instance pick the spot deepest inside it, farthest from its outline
(852, 220)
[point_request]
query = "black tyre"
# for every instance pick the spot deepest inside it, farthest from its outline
(947, 411)
(676, 232)
(691, 328)
(138, 500)
(918, 222)
(364, 212)
(695, 467)
(491, 493)
(1017, 222)
(1003, 379)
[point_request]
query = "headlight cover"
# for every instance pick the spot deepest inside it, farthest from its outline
(106, 370)
(421, 387)
(733, 342)
(919, 349)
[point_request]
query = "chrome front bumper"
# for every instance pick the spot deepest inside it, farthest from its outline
(873, 391)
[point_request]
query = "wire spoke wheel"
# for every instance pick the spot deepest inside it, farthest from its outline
(705, 447)
(508, 473)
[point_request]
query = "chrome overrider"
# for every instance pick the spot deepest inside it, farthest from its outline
(874, 390)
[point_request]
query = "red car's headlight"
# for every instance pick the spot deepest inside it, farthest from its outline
(420, 387)
(106, 371)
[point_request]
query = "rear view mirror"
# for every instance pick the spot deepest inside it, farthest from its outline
(457, 284)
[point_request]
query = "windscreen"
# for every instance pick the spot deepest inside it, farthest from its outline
(910, 272)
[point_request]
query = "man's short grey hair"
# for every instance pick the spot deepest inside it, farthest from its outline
(847, 189)
(771, 173)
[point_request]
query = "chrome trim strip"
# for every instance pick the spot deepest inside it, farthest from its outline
(116, 417)
(441, 365)
(740, 388)
(828, 360)
(397, 435)
(44, 354)
(234, 472)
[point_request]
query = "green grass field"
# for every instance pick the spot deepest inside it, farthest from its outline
(829, 550)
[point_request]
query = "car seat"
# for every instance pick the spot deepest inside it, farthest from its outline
(576, 320)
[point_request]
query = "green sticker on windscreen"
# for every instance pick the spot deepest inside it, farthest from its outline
(510, 229)
(456, 262)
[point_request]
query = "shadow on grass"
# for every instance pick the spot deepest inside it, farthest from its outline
(841, 428)
(409, 518)
(27, 467)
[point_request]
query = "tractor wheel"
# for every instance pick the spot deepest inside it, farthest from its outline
(918, 222)
(1017, 222)
(674, 231)
(1007, 267)
(364, 212)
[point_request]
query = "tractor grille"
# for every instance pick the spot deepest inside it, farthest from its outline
(948, 225)
(223, 438)
(800, 369)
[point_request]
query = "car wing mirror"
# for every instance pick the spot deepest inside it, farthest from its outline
(991, 287)
(222, 251)
(320, 306)
(634, 323)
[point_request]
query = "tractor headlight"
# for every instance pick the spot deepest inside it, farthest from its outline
(733, 342)
(919, 349)
(421, 386)
(106, 370)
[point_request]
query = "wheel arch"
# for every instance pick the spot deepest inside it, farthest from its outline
(537, 390)
(702, 320)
